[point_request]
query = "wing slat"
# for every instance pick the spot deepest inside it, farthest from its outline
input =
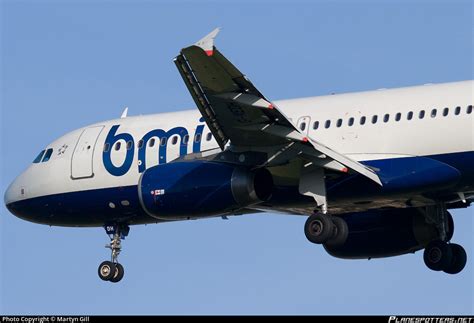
(201, 100)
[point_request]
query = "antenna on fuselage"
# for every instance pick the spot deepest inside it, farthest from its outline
(124, 113)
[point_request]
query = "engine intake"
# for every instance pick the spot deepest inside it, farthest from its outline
(193, 189)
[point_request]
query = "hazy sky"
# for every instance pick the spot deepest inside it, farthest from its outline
(66, 64)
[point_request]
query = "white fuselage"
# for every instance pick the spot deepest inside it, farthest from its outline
(432, 134)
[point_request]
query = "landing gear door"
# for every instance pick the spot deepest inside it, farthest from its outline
(304, 124)
(82, 162)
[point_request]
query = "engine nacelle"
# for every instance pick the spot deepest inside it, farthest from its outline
(377, 234)
(192, 189)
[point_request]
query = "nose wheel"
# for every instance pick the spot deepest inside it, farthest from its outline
(112, 270)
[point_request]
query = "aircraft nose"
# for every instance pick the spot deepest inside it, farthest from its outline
(11, 194)
(16, 193)
(16, 199)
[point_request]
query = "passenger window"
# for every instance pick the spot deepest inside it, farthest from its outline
(303, 126)
(386, 118)
(106, 147)
(374, 119)
(421, 115)
(327, 124)
(350, 122)
(433, 113)
(457, 111)
(469, 109)
(197, 138)
(445, 112)
(362, 120)
(163, 141)
(209, 136)
(398, 116)
(47, 155)
(316, 125)
(38, 158)
(140, 143)
(410, 115)
(339, 123)
(185, 140)
(174, 140)
(129, 145)
(117, 145)
(151, 143)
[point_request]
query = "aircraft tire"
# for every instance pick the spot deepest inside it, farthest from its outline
(458, 261)
(319, 228)
(118, 275)
(437, 255)
(106, 270)
(340, 233)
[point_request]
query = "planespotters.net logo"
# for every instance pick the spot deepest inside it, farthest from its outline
(406, 319)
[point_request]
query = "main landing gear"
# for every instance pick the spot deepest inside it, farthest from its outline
(111, 270)
(322, 228)
(440, 255)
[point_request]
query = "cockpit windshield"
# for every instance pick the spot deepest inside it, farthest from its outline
(43, 156)
(47, 155)
(39, 157)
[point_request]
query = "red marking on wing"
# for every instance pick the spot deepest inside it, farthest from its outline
(209, 52)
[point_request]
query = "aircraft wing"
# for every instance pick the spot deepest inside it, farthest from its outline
(237, 113)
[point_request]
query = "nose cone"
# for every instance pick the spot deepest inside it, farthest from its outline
(16, 196)
(11, 194)
(16, 199)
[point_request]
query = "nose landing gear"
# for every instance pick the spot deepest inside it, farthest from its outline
(111, 270)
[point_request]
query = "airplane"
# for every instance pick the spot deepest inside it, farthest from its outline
(374, 172)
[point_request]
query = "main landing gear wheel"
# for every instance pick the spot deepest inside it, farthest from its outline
(111, 270)
(319, 228)
(340, 233)
(458, 261)
(322, 228)
(438, 255)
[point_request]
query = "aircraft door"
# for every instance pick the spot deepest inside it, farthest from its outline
(304, 124)
(82, 158)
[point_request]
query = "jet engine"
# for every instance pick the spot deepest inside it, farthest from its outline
(377, 234)
(193, 189)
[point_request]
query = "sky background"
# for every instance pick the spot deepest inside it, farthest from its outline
(67, 64)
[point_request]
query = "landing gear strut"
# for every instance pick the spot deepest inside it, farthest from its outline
(322, 228)
(111, 270)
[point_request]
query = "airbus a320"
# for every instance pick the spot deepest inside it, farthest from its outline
(374, 172)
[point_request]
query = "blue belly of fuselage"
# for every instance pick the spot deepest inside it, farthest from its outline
(434, 177)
